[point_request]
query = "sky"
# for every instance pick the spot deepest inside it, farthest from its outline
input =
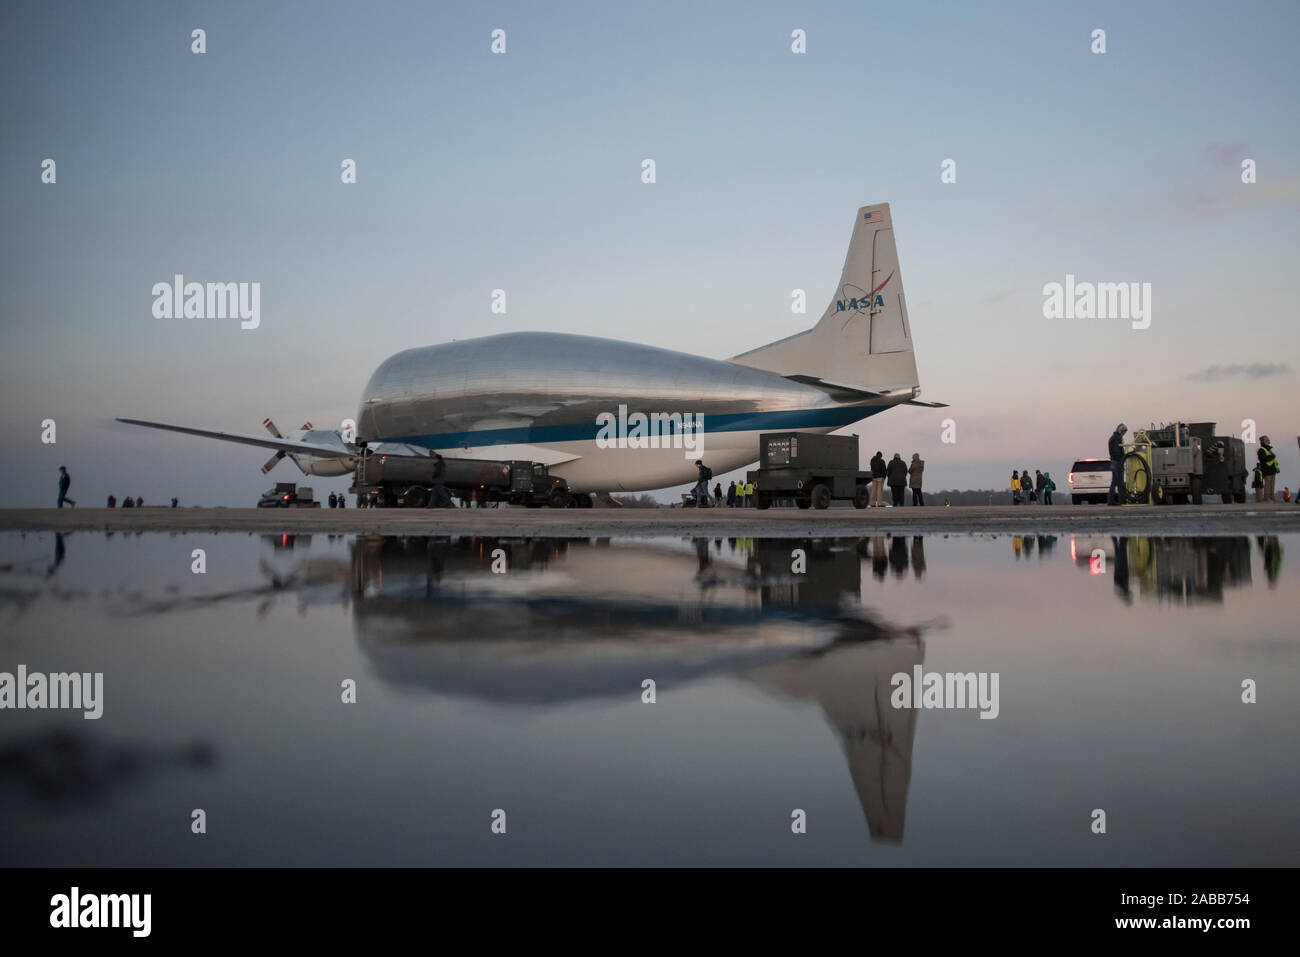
(522, 171)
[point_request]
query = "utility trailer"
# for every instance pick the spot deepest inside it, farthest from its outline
(1181, 463)
(418, 481)
(811, 469)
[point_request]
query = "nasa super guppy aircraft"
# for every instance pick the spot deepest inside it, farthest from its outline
(551, 397)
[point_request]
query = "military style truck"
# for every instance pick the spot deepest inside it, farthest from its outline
(420, 481)
(809, 469)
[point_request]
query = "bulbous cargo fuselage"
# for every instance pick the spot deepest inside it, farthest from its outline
(548, 397)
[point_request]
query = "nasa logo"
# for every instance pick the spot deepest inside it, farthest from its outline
(866, 301)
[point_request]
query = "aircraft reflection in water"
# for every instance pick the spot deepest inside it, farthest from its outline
(580, 619)
(1184, 570)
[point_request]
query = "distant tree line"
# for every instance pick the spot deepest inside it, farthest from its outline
(979, 496)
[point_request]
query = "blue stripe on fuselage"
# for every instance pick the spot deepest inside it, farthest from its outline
(587, 431)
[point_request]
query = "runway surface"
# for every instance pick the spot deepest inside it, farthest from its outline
(772, 523)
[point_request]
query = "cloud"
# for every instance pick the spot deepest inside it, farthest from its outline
(1227, 154)
(1249, 370)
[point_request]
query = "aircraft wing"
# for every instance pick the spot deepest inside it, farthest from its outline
(264, 441)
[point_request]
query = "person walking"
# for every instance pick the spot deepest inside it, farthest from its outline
(1268, 465)
(1048, 488)
(914, 472)
(1257, 482)
(897, 475)
(731, 494)
(1015, 486)
(877, 480)
(65, 481)
(1115, 449)
(701, 490)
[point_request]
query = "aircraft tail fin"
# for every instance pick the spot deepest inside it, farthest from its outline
(864, 339)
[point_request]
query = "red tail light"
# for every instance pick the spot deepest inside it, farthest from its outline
(1070, 480)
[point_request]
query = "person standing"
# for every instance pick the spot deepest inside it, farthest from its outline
(1115, 448)
(1038, 485)
(65, 481)
(717, 494)
(731, 494)
(878, 480)
(914, 472)
(897, 475)
(1015, 486)
(1268, 465)
(1257, 482)
(1027, 484)
(1048, 488)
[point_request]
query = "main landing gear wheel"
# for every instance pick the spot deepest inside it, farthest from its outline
(861, 497)
(821, 496)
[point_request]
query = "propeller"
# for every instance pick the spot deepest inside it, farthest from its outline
(274, 460)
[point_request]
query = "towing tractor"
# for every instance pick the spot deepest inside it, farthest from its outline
(1179, 463)
(389, 480)
(810, 469)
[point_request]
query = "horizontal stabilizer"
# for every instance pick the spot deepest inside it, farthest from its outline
(927, 405)
(266, 442)
(847, 393)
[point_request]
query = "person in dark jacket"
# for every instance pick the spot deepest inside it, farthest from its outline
(1039, 483)
(65, 480)
(914, 472)
(897, 475)
(877, 481)
(1031, 494)
(731, 495)
(701, 490)
(1115, 448)
(717, 494)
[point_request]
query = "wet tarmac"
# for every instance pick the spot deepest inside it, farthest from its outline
(776, 522)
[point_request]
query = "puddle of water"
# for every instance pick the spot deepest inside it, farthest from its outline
(509, 674)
